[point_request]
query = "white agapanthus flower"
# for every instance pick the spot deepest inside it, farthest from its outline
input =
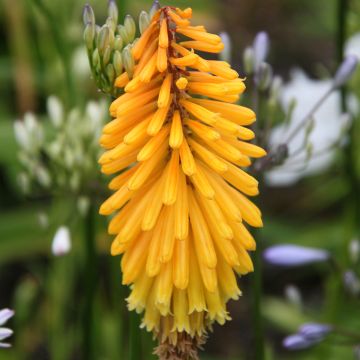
(61, 244)
(326, 131)
(5, 315)
(328, 124)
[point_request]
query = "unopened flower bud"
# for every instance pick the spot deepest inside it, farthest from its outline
(43, 176)
(89, 35)
(354, 250)
(118, 63)
(261, 48)
(264, 76)
(249, 60)
(96, 58)
(107, 55)
(61, 243)
(309, 127)
(276, 87)
(113, 11)
(351, 282)
(293, 295)
(123, 33)
(88, 15)
(130, 27)
(21, 135)
(43, 219)
(83, 205)
(294, 255)
(345, 70)
(309, 151)
(24, 182)
(290, 110)
(110, 72)
(345, 121)
(144, 21)
(111, 23)
(128, 61)
(225, 55)
(55, 111)
(103, 40)
(154, 8)
(118, 43)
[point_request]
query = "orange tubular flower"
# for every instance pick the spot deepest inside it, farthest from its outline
(178, 142)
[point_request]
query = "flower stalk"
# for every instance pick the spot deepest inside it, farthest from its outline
(90, 281)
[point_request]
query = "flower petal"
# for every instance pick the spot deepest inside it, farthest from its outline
(5, 315)
(293, 255)
(297, 342)
(315, 331)
(5, 333)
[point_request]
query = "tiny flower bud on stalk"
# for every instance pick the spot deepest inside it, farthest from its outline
(345, 71)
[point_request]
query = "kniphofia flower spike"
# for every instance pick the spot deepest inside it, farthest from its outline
(177, 145)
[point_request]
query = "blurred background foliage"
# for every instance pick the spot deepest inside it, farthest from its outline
(42, 54)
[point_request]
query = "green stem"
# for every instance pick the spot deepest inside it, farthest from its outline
(350, 149)
(256, 303)
(90, 280)
(62, 48)
(134, 337)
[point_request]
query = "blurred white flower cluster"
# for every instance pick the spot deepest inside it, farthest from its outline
(60, 152)
(312, 150)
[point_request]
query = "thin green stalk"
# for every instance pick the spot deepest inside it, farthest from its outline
(62, 48)
(258, 333)
(259, 351)
(90, 280)
(134, 337)
(118, 307)
(334, 285)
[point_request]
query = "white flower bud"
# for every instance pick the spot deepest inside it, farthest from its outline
(43, 176)
(118, 43)
(113, 10)
(88, 15)
(83, 204)
(261, 48)
(249, 60)
(293, 295)
(117, 62)
(354, 250)
(128, 61)
(130, 27)
(55, 111)
(61, 243)
(144, 21)
(154, 8)
(225, 55)
(21, 135)
(43, 220)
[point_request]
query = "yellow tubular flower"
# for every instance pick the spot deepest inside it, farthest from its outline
(177, 144)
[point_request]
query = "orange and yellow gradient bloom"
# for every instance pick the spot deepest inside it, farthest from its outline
(177, 144)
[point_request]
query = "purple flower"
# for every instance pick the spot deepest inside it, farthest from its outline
(314, 331)
(5, 315)
(294, 255)
(308, 335)
(297, 342)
